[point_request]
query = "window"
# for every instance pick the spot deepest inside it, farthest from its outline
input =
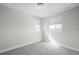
(55, 27)
(37, 28)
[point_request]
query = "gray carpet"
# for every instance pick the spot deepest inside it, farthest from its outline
(41, 48)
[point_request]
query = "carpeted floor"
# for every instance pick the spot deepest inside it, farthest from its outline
(41, 48)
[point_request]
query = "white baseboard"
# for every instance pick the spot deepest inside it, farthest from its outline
(9, 49)
(65, 46)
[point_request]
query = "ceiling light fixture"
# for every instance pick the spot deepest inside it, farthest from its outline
(40, 5)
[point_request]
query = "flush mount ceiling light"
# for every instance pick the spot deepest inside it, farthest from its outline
(40, 5)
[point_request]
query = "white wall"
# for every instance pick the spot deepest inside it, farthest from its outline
(17, 28)
(70, 34)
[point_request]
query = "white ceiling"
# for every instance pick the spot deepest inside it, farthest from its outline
(47, 10)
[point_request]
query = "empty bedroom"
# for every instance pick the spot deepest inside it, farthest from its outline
(39, 28)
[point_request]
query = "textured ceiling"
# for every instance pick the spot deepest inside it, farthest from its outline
(47, 10)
